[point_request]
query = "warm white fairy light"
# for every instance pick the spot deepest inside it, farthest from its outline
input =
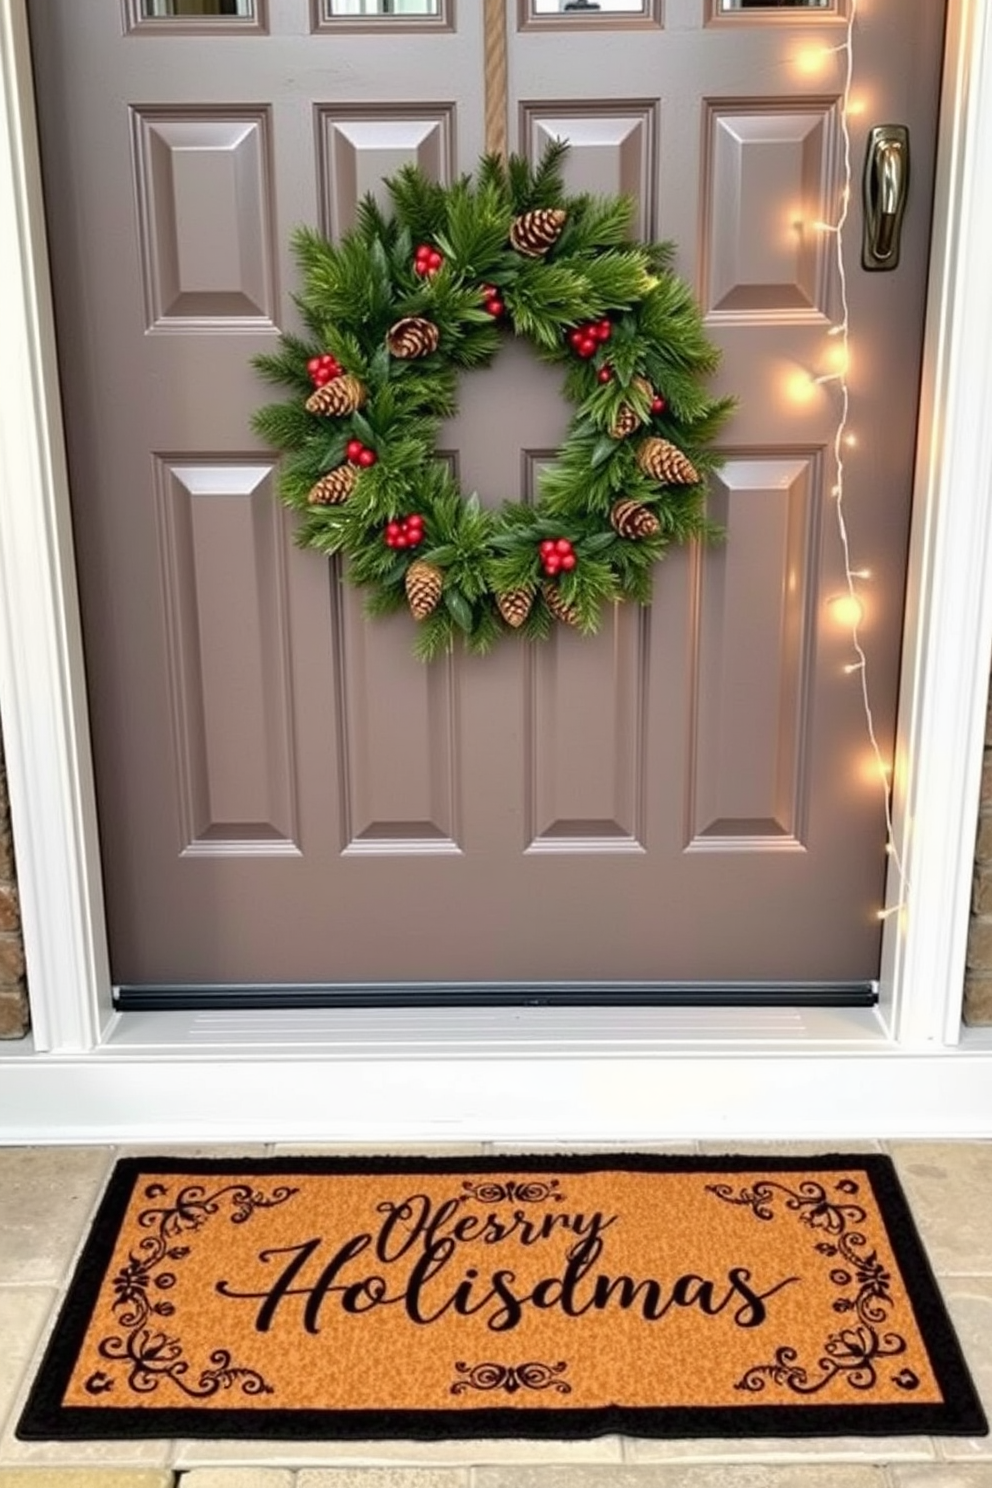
(844, 438)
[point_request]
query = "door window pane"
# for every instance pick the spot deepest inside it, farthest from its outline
(577, 7)
(165, 10)
(340, 9)
(727, 5)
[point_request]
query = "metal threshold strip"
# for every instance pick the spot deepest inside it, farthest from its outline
(172, 998)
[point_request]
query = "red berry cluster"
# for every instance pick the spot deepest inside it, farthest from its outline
(491, 300)
(323, 369)
(427, 261)
(408, 532)
(586, 339)
(360, 454)
(557, 556)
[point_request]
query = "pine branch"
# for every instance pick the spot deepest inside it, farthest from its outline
(548, 181)
(520, 182)
(418, 202)
(435, 635)
(372, 224)
(283, 426)
(284, 367)
(598, 222)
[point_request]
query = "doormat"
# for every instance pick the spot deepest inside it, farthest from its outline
(517, 1296)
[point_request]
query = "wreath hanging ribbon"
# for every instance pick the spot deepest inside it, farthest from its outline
(408, 298)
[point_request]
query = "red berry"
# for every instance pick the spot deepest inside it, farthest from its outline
(414, 536)
(353, 449)
(313, 364)
(321, 377)
(577, 336)
(424, 250)
(494, 307)
(399, 542)
(605, 374)
(658, 404)
(563, 546)
(367, 457)
(435, 259)
(327, 359)
(603, 330)
(415, 520)
(393, 528)
(568, 562)
(552, 564)
(547, 546)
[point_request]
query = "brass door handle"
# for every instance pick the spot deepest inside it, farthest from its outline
(886, 183)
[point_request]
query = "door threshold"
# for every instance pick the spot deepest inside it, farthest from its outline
(233, 997)
(488, 1033)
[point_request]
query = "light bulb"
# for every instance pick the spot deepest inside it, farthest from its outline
(846, 610)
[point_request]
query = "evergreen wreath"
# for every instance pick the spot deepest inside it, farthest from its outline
(398, 307)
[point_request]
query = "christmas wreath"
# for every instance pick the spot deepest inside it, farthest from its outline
(408, 298)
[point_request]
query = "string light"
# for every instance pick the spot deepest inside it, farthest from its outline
(893, 909)
(848, 608)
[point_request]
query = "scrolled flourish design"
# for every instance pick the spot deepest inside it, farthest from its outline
(851, 1353)
(809, 1199)
(194, 1205)
(510, 1378)
(527, 1191)
(150, 1355)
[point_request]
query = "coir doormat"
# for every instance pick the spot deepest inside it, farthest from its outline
(390, 1297)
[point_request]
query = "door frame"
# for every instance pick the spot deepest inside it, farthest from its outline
(87, 1070)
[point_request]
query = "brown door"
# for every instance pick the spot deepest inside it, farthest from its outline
(286, 796)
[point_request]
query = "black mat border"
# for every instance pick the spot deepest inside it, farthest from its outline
(44, 1418)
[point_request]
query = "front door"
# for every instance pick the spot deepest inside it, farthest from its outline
(287, 797)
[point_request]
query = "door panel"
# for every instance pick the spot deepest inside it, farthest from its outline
(286, 796)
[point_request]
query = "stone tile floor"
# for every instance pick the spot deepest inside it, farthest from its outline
(49, 1193)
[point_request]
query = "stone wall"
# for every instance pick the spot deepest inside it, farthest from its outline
(13, 990)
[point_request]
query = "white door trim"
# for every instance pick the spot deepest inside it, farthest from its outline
(42, 680)
(948, 641)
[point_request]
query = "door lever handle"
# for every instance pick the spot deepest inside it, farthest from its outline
(886, 184)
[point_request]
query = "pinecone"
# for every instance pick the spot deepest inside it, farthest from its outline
(632, 519)
(665, 463)
(625, 422)
(344, 394)
(533, 233)
(558, 606)
(515, 605)
(334, 487)
(627, 419)
(413, 336)
(423, 584)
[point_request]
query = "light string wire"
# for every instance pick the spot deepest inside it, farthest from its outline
(842, 439)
